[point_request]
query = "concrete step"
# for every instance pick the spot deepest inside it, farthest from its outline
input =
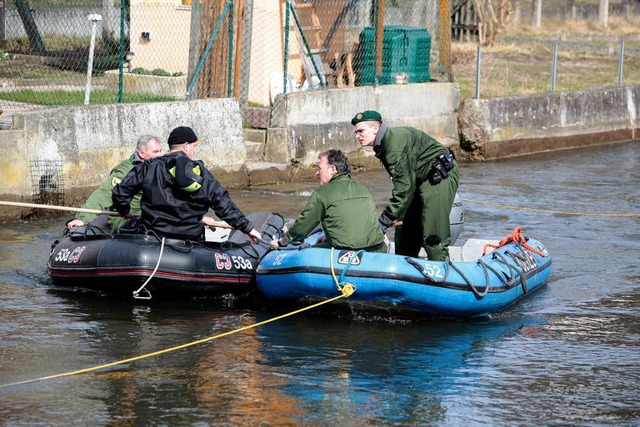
(254, 135)
(263, 173)
(255, 151)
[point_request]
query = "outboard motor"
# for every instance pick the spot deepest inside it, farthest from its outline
(456, 219)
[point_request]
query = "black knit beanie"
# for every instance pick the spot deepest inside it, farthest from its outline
(182, 134)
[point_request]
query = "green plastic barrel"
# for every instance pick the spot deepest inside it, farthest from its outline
(404, 50)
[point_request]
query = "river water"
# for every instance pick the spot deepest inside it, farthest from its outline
(567, 354)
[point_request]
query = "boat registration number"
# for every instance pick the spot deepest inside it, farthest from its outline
(226, 262)
(70, 256)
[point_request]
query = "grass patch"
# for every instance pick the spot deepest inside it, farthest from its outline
(59, 97)
(521, 61)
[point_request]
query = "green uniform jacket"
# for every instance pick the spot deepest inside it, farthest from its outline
(407, 154)
(347, 212)
(101, 198)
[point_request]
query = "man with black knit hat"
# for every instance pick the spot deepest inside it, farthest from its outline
(425, 180)
(177, 192)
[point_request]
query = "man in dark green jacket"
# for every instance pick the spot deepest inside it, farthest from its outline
(344, 207)
(148, 147)
(425, 180)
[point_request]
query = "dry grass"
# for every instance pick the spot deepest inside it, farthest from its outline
(521, 61)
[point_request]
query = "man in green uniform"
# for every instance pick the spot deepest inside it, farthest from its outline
(344, 207)
(148, 147)
(425, 180)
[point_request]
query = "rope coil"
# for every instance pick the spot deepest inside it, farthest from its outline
(516, 237)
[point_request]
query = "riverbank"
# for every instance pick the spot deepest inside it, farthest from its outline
(58, 156)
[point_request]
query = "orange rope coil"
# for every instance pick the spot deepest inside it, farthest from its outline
(516, 237)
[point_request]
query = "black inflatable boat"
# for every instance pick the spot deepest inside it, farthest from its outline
(146, 265)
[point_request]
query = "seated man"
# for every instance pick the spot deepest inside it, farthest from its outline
(344, 207)
(148, 147)
(177, 192)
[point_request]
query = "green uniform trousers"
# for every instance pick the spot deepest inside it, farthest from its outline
(429, 213)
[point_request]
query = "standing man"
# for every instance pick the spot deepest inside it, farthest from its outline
(344, 207)
(425, 180)
(177, 192)
(148, 147)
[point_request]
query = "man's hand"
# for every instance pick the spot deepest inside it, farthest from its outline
(255, 235)
(129, 215)
(208, 221)
(74, 223)
(279, 242)
(385, 222)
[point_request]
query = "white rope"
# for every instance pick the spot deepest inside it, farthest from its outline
(136, 294)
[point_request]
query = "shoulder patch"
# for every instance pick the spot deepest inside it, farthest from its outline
(115, 181)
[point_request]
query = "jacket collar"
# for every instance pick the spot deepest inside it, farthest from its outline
(377, 144)
(339, 175)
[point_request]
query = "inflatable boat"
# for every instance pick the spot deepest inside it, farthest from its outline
(146, 265)
(481, 278)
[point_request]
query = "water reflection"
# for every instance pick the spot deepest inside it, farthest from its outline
(359, 368)
(566, 355)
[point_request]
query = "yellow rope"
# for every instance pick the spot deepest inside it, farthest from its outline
(344, 294)
(548, 211)
(347, 289)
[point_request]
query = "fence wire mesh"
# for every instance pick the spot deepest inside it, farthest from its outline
(161, 50)
(47, 180)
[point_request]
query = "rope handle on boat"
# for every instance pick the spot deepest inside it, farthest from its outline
(508, 279)
(147, 295)
(345, 288)
(516, 237)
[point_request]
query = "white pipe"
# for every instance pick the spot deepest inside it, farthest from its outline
(94, 18)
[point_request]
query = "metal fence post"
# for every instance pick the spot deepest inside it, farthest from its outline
(94, 18)
(245, 60)
(621, 62)
(285, 71)
(230, 65)
(2, 24)
(121, 54)
(554, 66)
(478, 64)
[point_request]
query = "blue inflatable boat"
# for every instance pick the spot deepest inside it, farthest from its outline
(474, 285)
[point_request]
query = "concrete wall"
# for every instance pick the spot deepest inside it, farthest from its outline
(304, 124)
(90, 140)
(513, 126)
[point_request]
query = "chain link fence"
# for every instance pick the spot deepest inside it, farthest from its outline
(146, 51)
(252, 50)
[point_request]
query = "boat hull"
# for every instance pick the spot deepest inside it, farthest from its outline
(121, 263)
(398, 284)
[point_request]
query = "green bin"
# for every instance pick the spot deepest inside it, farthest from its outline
(404, 50)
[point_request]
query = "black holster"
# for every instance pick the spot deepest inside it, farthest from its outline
(440, 168)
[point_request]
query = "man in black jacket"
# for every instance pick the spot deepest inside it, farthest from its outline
(177, 192)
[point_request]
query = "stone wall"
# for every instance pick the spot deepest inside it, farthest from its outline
(520, 125)
(304, 124)
(89, 140)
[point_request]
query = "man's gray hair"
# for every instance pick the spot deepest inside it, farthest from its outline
(338, 159)
(143, 141)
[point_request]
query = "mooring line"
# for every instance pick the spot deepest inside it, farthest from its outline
(345, 294)
(549, 211)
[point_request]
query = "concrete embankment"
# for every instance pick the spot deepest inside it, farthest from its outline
(72, 149)
(519, 125)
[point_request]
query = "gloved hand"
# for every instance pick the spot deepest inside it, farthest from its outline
(385, 222)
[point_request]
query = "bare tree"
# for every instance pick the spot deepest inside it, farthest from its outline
(493, 16)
